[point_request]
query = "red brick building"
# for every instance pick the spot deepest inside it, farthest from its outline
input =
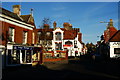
(17, 36)
(110, 31)
(112, 40)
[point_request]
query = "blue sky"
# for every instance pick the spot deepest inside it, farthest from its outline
(83, 15)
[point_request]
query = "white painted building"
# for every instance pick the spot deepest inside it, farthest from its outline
(61, 39)
(115, 45)
(67, 39)
(114, 49)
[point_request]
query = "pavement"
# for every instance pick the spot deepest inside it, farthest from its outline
(81, 69)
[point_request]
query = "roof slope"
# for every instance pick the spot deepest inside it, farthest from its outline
(10, 14)
(70, 34)
(24, 18)
(115, 37)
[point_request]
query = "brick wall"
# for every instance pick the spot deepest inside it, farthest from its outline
(109, 33)
(18, 39)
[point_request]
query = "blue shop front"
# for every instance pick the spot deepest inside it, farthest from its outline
(22, 55)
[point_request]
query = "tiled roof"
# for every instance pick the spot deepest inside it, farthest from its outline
(70, 34)
(26, 18)
(109, 33)
(23, 18)
(80, 37)
(10, 14)
(115, 37)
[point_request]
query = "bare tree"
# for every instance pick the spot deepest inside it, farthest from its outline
(45, 21)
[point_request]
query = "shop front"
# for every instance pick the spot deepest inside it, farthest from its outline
(114, 49)
(23, 54)
(18, 55)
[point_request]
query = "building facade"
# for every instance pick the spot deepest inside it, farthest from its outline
(62, 39)
(16, 37)
(111, 39)
(22, 43)
(115, 45)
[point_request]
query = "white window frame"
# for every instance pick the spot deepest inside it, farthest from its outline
(13, 33)
(25, 37)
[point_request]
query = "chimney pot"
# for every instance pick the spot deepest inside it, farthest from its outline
(54, 24)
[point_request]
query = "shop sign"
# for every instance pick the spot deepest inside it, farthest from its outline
(23, 48)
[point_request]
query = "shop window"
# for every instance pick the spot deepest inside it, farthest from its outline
(11, 34)
(15, 57)
(28, 56)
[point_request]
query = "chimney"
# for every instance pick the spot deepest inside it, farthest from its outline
(110, 24)
(54, 25)
(46, 26)
(66, 25)
(16, 9)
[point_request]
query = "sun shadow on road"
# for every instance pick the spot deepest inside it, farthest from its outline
(74, 69)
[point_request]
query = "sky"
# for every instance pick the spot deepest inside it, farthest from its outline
(83, 15)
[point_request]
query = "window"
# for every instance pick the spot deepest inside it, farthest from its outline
(39, 34)
(48, 33)
(75, 44)
(24, 37)
(11, 34)
(116, 50)
(58, 46)
(68, 43)
(33, 37)
(58, 36)
(49, 42)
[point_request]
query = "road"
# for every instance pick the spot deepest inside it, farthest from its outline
(80, 69)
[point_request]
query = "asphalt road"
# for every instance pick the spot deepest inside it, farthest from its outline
(80, 69)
